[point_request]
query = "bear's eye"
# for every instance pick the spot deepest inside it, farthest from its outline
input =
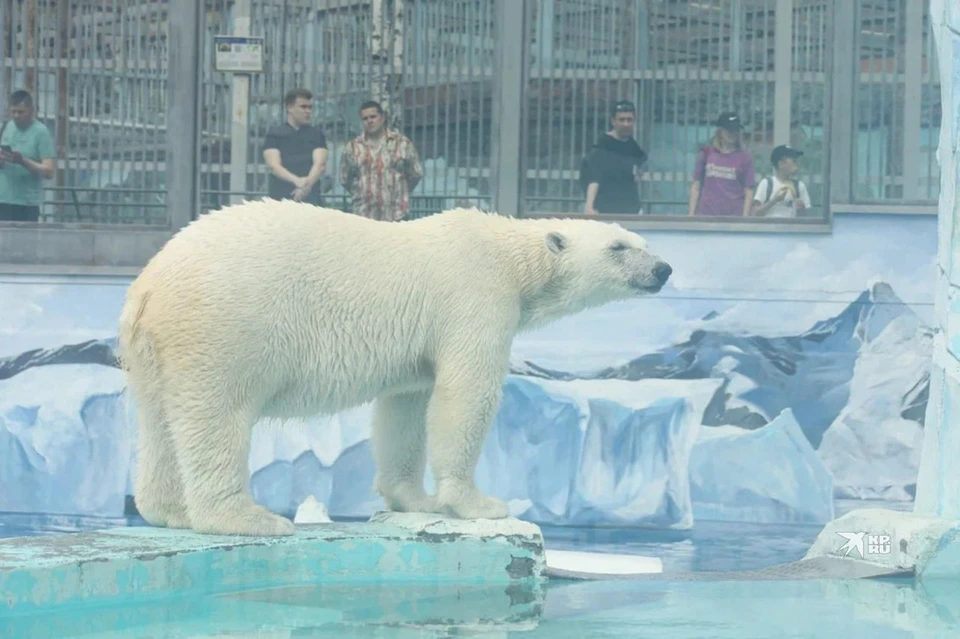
(619, 246)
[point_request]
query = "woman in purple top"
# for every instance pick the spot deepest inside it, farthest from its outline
(723, 179)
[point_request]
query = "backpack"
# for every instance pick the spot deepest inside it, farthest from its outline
(795, 183)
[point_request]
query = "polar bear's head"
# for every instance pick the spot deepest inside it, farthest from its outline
(594, 263)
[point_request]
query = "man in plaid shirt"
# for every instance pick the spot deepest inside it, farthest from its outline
(380, 168)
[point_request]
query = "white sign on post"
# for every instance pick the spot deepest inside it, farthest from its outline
(238, 54)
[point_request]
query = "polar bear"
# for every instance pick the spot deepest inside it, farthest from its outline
(284, 310)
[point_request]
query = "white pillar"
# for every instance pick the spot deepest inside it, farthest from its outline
(926, 541)
(783, 71)
(510, 71)
(240, 113)
(183, 111)
(938, 483)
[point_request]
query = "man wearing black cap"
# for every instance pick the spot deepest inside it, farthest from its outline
(781, 194)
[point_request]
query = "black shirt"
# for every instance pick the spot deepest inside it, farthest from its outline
(611, 163)
(296, 155)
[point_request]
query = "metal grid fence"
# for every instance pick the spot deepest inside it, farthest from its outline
(897, 104)
(97, 75)
(697, 60)
(432, 72)
(97, 69)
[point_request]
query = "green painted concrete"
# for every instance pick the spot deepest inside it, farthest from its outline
(133, 565)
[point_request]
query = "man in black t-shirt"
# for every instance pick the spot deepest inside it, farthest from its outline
(296, 152)
(610, 172)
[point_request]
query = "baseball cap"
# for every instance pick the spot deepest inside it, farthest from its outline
(784, 151)
(624, 106)
(728, 120)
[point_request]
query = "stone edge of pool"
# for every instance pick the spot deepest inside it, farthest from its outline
(129, 565)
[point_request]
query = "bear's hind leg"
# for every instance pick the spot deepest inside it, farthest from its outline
(213, 449)
(399, 448)
(158, 492)
(459, 417)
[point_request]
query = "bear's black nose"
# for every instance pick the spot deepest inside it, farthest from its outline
(662, 272)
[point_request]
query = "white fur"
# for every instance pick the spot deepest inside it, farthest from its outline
(282, 309)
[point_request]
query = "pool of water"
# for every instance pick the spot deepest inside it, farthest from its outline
(711, 546)
(870, 609)
(670, 608)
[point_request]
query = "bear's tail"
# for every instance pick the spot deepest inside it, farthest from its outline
(134, 347)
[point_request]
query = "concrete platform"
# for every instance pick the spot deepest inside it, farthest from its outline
(928, 547)
(124, 566)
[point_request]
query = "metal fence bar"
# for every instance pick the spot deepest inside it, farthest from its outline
(783, 69)
(913, 64)
(511, 25)
(183, 113)
(108, 77)
(240, 110)
(809, 99)
(842, 120)
(931, 113)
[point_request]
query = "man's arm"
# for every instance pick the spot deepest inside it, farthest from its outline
(346, 168)
(699, 172)
(592, 189)
(747, 202)
(271, 157)
(760, 207)
(274, 161)
(45, 167)
(414, 171)
(750, 183)
(319, 165)
(319, 157)
(803, 197)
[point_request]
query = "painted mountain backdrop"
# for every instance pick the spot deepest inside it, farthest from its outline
(856, 385)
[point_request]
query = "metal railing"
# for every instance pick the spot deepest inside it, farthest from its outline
(99, 72)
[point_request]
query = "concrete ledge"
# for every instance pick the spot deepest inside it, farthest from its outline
(80, 244)
(137, 565)
(927, 546)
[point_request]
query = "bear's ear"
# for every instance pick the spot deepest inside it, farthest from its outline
(556, 242)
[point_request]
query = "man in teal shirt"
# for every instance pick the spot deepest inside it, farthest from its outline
(26, 157)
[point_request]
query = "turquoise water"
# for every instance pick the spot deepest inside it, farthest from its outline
(665, 610)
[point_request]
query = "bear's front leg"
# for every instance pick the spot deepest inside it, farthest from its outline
(459, 417)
